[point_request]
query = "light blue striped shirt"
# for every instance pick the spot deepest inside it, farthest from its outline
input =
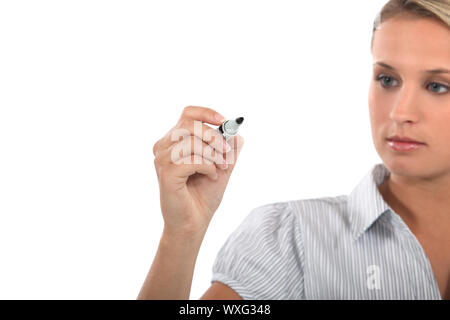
(345, 247)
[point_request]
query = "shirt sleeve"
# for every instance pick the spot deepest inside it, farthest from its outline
(262, 258)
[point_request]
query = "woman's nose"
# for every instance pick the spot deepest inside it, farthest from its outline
(405, 107)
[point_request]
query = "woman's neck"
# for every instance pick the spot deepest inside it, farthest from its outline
(424, 206)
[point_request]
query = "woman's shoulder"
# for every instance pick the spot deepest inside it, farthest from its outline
(320, 208)
(311, 216)
(311, 222)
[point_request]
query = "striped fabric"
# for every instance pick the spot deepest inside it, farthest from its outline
(345, 247)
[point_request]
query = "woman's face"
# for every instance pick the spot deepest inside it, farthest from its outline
(409, 102)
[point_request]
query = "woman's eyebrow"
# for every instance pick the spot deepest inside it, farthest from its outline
(432, 71)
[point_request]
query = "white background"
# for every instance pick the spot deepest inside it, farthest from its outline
(87, 88)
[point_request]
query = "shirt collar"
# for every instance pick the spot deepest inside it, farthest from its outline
(365, 202)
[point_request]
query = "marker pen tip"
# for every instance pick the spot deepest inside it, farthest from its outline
(240, 120)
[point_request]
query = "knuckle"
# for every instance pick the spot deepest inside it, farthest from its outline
(196, 144)
(206, 150)
(155, 147)
(184, 123)
(219, 160)
(187, 110)
(177, 135)
(186, 143)
(196, 159)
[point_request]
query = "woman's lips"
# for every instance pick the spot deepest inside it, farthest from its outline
(404, 145)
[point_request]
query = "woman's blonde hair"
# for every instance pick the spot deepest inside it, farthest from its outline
(437, 9)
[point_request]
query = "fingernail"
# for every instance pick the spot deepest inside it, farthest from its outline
(227, 147)
(219, 117)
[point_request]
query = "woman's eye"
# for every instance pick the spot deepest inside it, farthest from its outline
(385, 80)
(435, 85)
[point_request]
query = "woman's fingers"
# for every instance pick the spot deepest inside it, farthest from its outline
(202, 114)
(195, 146)
(197, 164)
(192, 146)
(188, 126)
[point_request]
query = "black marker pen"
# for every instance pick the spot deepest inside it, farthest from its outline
(230, 128)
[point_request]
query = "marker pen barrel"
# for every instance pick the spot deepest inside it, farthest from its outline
(229, 128)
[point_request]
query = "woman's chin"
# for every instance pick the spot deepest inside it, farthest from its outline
(404, 166)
